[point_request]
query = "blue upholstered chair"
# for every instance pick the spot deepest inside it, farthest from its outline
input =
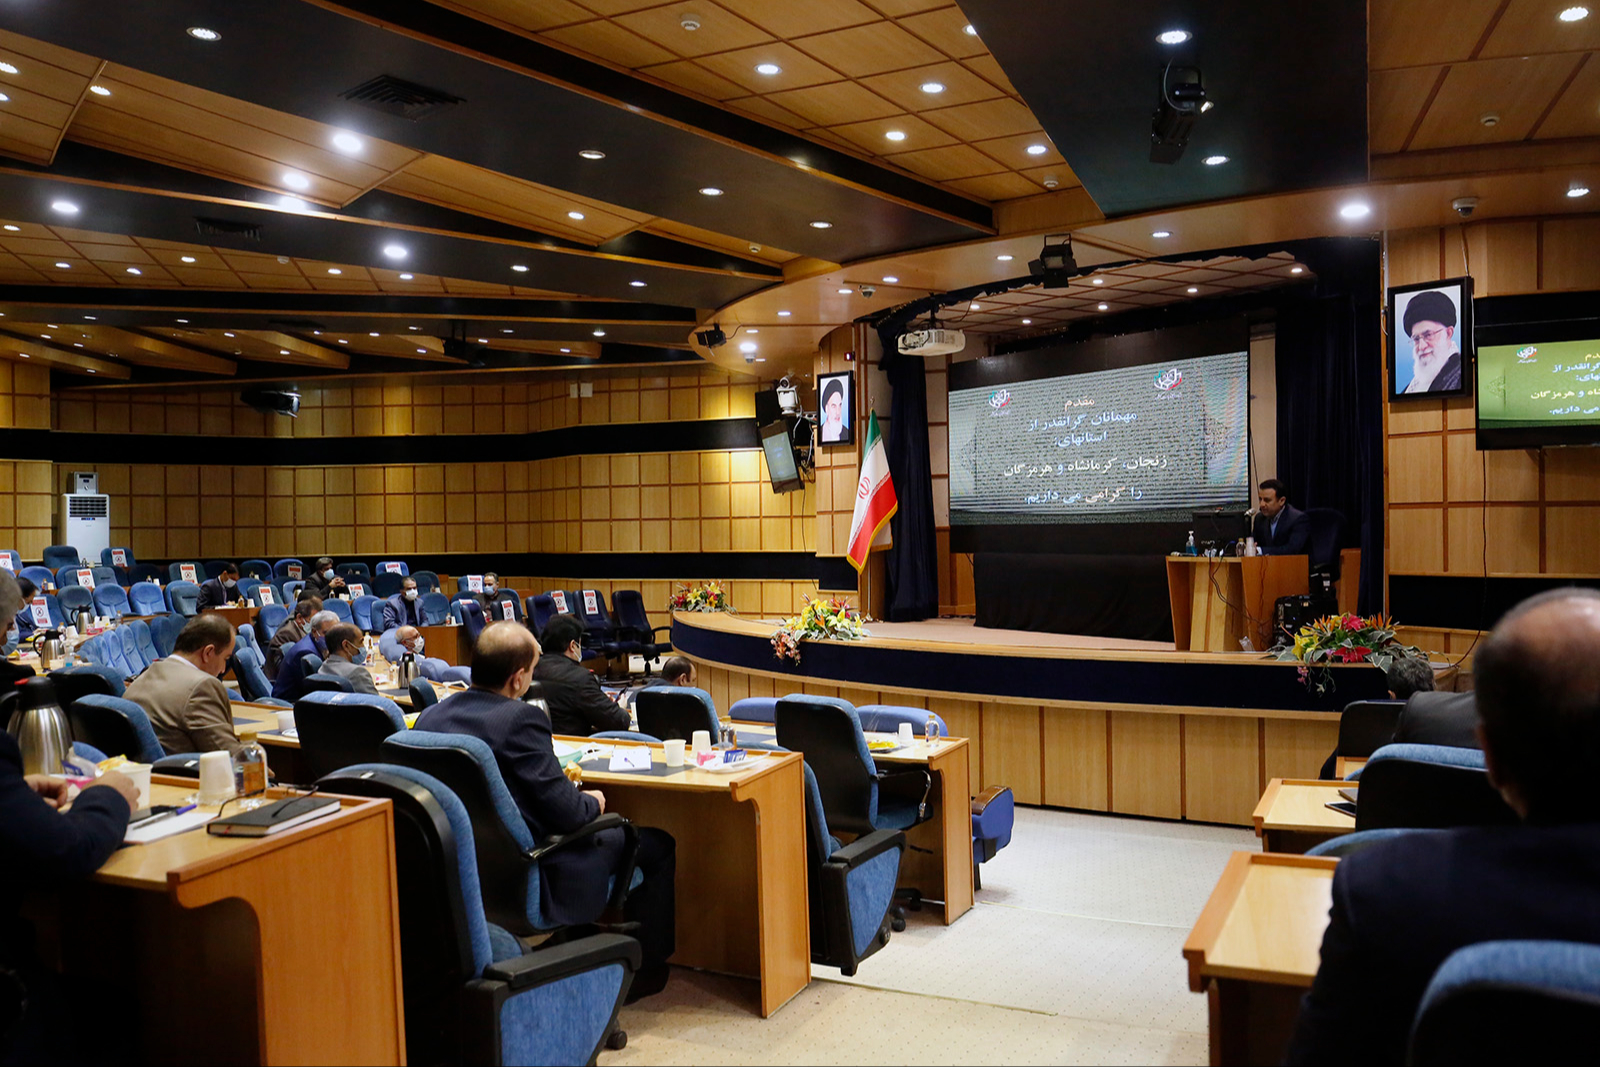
(1349, 844)
(249, 588)
(473, 994)
(1511, 1002)
(468, 613)
(341, 608)
(183, 598)
(435, 609)
(73, 599)
(256, 568)
(144, 639)
(506, 600)
(599, 631)
(852, 887)
(291, 589)
(886, 719)
(131, 649)
(108, 557)
(175, 571)
(994, 814)
(270, 619)
(361, 612)
(146, 598)
(354, 570)
(508, 855)
(633, 625)
(427, 581)
(392, 566)
(69, 575)
(249, 670)
(119, 727)
(245, 637)
(291, 568)
(328, 683)
(111, 601)
(754, 709)
(104, 576)
(625, 735)
(675, 712)
(85, 679)
(58, 556)
(164, 630)
(437, 670)
(422, 694)
(338, 729)
(39, 576)
(385, 586)
(215, 567)
(1428, 786)
(546, 606)
(146, 572)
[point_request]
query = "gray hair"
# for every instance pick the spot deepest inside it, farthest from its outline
(322, 620)
(1409, 674)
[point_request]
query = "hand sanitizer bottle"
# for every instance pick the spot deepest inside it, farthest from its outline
(1188, 546)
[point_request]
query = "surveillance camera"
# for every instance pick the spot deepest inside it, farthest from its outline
(755, 249)
(1464, 205)
(749, 357)
(690, 22)
(1051, 181)
(868, 290)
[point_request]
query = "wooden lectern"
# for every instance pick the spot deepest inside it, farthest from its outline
(1218, 600)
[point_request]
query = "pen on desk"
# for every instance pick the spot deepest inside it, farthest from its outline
(185, 809)
(157, 817)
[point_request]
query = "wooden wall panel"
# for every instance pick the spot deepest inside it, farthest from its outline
(1011, 750)
(1146, 764)
(1074, 746)
(1294, 748)
(1220, 762)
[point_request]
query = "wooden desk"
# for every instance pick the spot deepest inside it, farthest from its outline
(236, 616)
(743, 902)
(1343, 765)
(1293, 814)
(284, 949)
(1218, 600)
(1255, 949)
(448, 643)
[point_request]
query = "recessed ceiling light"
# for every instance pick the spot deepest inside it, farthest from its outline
(283, 351)
(1027, 322)
(564, 350)
(422, 351)
(973, 307)
(1174, 36)
(1355, 211)
(752, 331)
(77, 344)
(519, 268)
(710, 190)
(637, 284)
(64, 265)
(135, 270)
(295, 180)
(395, 251)
(12, 228)
(316, 333)
(348, 143)
(895, 135)
(187, 259)
(505, 331)
(1037, 149)
(592, 153)
(481, 341)
(24, 355)
(575, 216)
(1004, 258)
(65, 207)
(933, 88)
(335, 270)
(769, 69)
(4, 99)
(890, 279)
(1577, 189)
(821, 225)
(845, 292)
(184, 321)
(1102, 307)
(1574, 14)
(52, 326)
(91, 318)
(200, 33)
(747, 346)
(969, 31)
(784, 314)
(343, 341)
(226, 334)
(292, 203)
(1097, 281)
(1297, 270)
(93, 371)
(45, 336)
(1214, 161)
(99, 90)
(8, 68)
(1159, 234)
(1192, 289)
(599, 333)
(407, 278)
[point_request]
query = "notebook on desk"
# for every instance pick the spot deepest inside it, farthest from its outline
(272, 818)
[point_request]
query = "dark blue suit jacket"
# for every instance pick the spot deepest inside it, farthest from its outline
(286, 686)
(572, 882)
(1401, 907)
(1293, 537)
(398, 611)
(213, 594)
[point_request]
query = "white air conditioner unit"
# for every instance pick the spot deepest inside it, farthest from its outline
(932, 342)
(86, 524)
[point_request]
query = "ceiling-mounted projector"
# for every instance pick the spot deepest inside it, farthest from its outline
(932, 342)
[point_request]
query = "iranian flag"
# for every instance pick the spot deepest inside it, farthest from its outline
(875, 499)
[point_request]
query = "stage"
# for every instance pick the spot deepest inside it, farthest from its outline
(1094, 723)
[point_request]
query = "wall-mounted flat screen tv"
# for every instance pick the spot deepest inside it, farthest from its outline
(1541, 388)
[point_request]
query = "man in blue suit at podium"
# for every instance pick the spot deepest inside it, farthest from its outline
(1280, 529)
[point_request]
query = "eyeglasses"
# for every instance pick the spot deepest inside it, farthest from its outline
(1427, 337)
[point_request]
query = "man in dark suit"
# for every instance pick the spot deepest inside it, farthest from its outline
(289, 685)
(1401, 907)
(404, 608)
(220, 590)
(578, 705)
(572, 882)
(1439, 719)
(1280, 529)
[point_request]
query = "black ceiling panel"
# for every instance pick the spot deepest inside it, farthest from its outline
(1288, 81)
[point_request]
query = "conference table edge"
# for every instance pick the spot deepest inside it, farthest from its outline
(1219, 908)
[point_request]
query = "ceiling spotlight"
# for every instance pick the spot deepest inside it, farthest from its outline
(1027, 322)
(821, 225)
(1297, 270)
(1192, 289)
(187, 259)
(715, 337)
(64, 207)
(895, 135)
(519, 268)
(1574, 14)
(200, 33)
(348, 143)
(1214, 161)
(295, 180)
(1174, 36)
(1180, 94)
(184, 321)
(565, 350)
(1355, 211)
(506, 331)
(784, 314)
(637, 284)
(91, 318)
(4, 98)
(63, 265)
(481, 341)
(422, 351)
(135, 270)
(12, 228)
(575, 216)
(973, 307)
(1056, 265)
(769, 69)
(710, 190)
(846, 292)
(933, 88)
(748, 330)
(1102, 307)
(890, 279)
(283, 351)
(373, 334)
(335, 270)
(599, 333)
(1037, 149)
(407, 278)
(93, 371)
(1207, 106)
(1160, 234)
(99, 90)
(969, 31)
(747, 346)
(343, 341)
(226, 334)
(1577, 189)
(592, 153)
(7, 68)
(1097, 281)
(395, 251)
(413, 327)
(1004, 257)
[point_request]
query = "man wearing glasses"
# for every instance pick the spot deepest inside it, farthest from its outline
(1430, 319)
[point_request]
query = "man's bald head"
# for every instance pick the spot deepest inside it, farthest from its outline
(1538, 693)
(406, 634)
(504, 658)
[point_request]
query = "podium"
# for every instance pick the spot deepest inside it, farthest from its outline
(1218, 600)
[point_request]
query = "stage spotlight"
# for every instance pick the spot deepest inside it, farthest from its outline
(1181, 98)
(712, 338)
(1056, 266)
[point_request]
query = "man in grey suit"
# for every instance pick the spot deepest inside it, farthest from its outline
(184, 695)
(346, 656)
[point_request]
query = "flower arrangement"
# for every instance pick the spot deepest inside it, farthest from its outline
(1344, 639)
(707, 596)
(820, 620)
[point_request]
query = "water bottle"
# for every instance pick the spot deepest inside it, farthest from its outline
(1188, 547)
(250, 774)
(930, 730)
(40, 728)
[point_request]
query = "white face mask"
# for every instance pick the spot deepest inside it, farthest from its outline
(411, 594)
(490, 588)
(328, 574)
(416, 646)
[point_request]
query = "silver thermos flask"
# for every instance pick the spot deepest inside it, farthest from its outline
(85, 620)
(406, 670)
(40, 727)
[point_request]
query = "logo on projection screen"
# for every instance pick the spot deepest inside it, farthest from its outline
(999, 398)
(1168, 380)
(1526, 355)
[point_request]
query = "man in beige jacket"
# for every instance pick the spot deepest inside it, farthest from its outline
(184, 695)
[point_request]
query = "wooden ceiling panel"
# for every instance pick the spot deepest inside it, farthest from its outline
(1530, 27)
(870, 136)
(519, 14)
(784, 21)
(720, 31)
(1065, 178)
(610, 41)
(681, 231)
(1577, 113)
(875, 48)
(48, 87)
(689, 74)
(834, 104)
(946, 30)
(1394, 100)
(1414, 33)
(764, 109)
(945, 164)
(1518, 90)
(1012, 152)
(796, 69)
(991, 118)
(961, 86)
(988, 68)
(1007, 186)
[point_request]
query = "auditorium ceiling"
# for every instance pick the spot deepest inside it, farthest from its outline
(331, 188)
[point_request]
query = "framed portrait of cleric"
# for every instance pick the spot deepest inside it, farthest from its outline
(836, 416)
(1430, 339)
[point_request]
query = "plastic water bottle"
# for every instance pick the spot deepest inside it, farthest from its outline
(1188, 547)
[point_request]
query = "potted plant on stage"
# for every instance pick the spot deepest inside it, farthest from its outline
(821, 620)
(1342, 639)
(706, 596)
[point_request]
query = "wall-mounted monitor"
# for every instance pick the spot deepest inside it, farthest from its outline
(779, 451)
(1430, 339)
(1540, 388)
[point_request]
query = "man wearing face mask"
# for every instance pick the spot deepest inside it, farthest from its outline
(323, 582)
(293, 629)
(410, 640)
(220, 591)
(488, 598)
(183, 694)
(346, 658)
(404, 608)
(288, 684)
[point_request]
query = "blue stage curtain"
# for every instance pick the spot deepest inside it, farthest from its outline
(913, 562)
(1330, 419)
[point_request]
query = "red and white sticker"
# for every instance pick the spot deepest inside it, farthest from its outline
(391, 568)
(591, 605)
(474, 583)
(294, 572)
(86, 577)
(119, 558)
(41, 611)
(508, 610)
(264, 594)
(186, 571)
(5, 561)
(357, 590)
(560, 599)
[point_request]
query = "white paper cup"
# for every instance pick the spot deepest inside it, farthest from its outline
(139, 773)
(905, 733)
(674, 752)
(216, 777)
(285, 720)
(700, 741)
